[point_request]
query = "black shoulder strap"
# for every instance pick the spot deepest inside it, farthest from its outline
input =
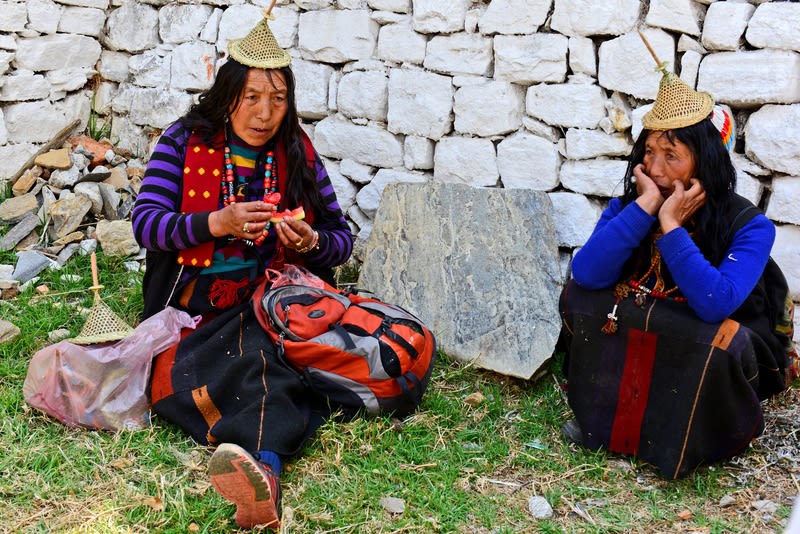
(747, 210)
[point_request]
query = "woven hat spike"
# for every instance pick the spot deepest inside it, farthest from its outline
(677, 105)
(260, 49)
(102, 324)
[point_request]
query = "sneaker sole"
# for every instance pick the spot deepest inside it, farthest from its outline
(236, 476)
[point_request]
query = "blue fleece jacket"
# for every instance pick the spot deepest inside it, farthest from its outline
(714, 293)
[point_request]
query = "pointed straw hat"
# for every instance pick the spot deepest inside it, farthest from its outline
(677, 105)
(260, 49)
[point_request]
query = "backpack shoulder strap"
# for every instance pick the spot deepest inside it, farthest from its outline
(746, 211)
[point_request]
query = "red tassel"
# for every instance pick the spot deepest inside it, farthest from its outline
(611, 325)
(225, 293)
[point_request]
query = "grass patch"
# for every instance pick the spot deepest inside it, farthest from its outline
(468, 461)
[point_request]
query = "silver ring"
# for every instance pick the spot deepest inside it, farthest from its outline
(244, 229)
(633, 179)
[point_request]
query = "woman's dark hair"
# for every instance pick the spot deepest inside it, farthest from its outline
(713, 167)
(209, 116)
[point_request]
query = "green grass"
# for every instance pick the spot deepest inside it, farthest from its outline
(459, 466)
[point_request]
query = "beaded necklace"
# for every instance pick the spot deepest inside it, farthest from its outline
(271, 194)
(624, 289)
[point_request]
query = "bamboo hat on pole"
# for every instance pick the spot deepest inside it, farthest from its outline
(259, 48)
(102, 324)
(677, 105)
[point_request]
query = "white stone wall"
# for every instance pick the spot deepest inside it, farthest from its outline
(541, 94)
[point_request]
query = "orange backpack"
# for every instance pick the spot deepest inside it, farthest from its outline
(358, 352)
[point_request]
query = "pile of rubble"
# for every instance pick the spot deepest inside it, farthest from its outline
(70, 199)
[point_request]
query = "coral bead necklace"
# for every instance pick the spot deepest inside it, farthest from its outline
(231, 196)
(638, 287)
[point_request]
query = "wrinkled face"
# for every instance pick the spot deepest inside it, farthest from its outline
(262, 106)
(667, 160)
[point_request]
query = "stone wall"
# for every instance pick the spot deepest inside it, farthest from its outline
(540, 94)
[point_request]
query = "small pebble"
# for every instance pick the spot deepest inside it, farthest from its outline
(540, 508)
(393, 505)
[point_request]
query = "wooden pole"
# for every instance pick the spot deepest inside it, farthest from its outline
(59, 138)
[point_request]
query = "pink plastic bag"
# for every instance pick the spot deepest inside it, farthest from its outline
(105, 385)
(292, 274)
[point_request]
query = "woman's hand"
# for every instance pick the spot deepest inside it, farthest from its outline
(681, 204)
(650, 198)
(241, 219)
(294, 234)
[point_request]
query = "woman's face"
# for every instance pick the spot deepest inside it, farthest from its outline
(262, 106)
(667, 160)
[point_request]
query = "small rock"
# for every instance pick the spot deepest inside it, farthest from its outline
(42, 289)
(67, 253)
(73, 237)
(97, 149)
(393, 505)
(132, 266)
(19, 232)
(55, 159)
(8, 331)
(98, 174)
(26, 181)
(68, 213)
(5, 271)
(765, 506)
(14, 209)
(540, 508)
(474, 399)
(88, 246)
(119, 179)
(29, 264)
(727, 500)
(57, 335)
(116, 238)
(109, 156)
(66, 178)
(137, 172)
(70, 277)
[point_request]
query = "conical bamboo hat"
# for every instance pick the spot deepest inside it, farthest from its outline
(677, 105)
(259, 48)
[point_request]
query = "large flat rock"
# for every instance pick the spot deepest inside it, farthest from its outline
(479, 266)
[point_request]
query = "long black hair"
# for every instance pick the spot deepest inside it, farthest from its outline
(211, 112)
(713, 167)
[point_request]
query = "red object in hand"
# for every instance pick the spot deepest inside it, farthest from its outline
(296, 214)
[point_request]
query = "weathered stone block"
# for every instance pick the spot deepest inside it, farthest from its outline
(614, 17)
(461, 53)
(400, 43)
(526, 59)
(596, 177)
(364, 94)
(772, 138)
(51, 52)
(491, 108)
(527, 161)
(465, 160)
(370, 195)
(751, 78)
(775, 25)
(513, 332)
(123, 35)
(340, 139)
(420, 103)
(568, 105)
(514, 16)
(440, 16)
(682, 16)
(725, 23)
(181, 23)
(572, 231)
(783, 201)
(320, 36)
(627, 66)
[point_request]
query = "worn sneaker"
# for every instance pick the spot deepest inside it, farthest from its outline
(248, 483)
(572, 432)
